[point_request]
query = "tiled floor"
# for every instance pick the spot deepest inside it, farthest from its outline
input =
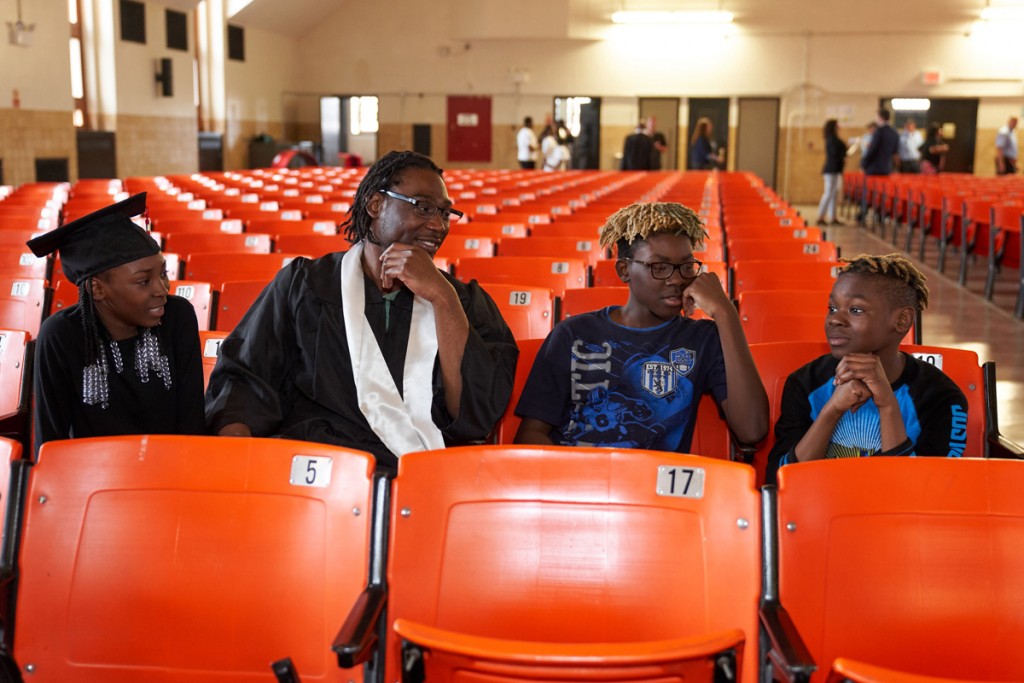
(961, 317)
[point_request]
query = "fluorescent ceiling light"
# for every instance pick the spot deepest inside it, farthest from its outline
(1003, 14)
(695, 17)
(911, 104)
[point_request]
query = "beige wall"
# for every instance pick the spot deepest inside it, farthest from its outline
(27, 135)
(155, 145)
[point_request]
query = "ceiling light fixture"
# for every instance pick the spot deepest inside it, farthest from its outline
(682, 17)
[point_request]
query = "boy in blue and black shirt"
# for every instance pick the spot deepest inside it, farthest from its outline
(867, 397)
(631, 376)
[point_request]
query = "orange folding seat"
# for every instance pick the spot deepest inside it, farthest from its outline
(286, 227)
(23, 303)
(554, 273)
(787, 249)
(782, 274)
(217, 268)
(590, 250)
(20, 262)
(144, 558)
(507, 426)
(974, 230)
(904, 570)
(16, 238)
(314, 245)
(605, 275)
(528, 311)
(495, 231)
(590, 230)
(170, 226)
(527, 563)
(585, 299)
(1004, 245)
(765, 232)
(209, 342)
(459, 246)
(15, 382)
(195, 243)
(233, 301)
(200, 295)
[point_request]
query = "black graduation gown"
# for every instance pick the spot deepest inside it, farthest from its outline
(286, 371)
(134, 407)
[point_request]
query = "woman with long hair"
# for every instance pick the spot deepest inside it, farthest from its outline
(704, 154)
(832, 172)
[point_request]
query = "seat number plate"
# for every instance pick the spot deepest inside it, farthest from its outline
(683, 482)
(310, 470)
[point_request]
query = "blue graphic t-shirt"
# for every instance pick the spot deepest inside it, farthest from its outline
(603, 384)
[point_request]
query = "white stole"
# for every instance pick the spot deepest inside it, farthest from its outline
(403, 425)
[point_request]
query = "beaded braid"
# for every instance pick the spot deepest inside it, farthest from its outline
(905, 283)
(641, 220)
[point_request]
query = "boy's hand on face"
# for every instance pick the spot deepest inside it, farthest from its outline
(705, 292)
(849, 396)
(413, 267)
(866, 368)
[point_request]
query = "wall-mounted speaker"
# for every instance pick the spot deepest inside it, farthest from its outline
(165, 77)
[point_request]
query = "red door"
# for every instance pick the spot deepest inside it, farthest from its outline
(469, 128)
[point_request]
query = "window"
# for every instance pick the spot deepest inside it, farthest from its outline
(236, 43)
(177, 30)
(363, 115)
(77, 71)
(133, 21)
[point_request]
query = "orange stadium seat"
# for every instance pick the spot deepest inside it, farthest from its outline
(788, 249)
(528, 311)
(557, 274)
(209, 342)
(589, 249)
(217, 268)
(200, 295)
(194, 243)
(234, 299)
(23, 303)
(505, 430)
(585, 299)
(186, 568)
(524, 563)
(314, 245)
(459, 246)
(1005, 246)
(903, 570)
(778, 274)
(20, 262)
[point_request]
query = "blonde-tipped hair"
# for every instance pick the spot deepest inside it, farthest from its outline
(640, 221)
(907, 283)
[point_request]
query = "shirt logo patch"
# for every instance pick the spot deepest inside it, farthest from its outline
(683, 361)
(659, 379)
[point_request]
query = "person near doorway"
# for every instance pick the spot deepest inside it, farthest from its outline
(636, 151)
(660, 145)
(527, 145)
(933, 150)
(704, 151)
(832, 173)
(911, 140)
(1006, 148)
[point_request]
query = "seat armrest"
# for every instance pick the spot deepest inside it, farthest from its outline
(787, 652)
(358, 635)
(851, 670)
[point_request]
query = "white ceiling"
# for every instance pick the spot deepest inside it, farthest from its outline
(292, 18)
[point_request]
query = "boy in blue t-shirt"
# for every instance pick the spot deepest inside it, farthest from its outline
(867, 397)
(632, 376)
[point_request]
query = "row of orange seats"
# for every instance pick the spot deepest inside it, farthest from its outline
(506, 563)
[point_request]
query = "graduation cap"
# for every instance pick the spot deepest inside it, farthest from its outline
(100, 241)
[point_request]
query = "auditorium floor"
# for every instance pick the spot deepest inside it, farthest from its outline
(961, 317)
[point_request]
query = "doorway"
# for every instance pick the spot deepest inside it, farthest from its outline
(582, 118)
(717, 110)
(348, 129)
(662, 115)
(757, 137)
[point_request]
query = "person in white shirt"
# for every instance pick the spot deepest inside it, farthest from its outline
(526, 144)
(911, 140)
(1006, 148)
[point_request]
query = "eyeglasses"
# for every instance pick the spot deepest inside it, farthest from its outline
(425, 210)
(661, 270)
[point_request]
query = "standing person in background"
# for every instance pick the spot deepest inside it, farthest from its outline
(550, 149)
(910, 148)
(1006, 148)
(526, 145)
(660, 145)
(880, 156)
(933, 151)
(832, 172)
(636, 151)
(704, 152)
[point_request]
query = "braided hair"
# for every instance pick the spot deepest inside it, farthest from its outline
(641, 220)
(904, 283)
(382, 175)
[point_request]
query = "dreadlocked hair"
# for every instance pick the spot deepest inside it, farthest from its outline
(904, 283)
(642, 220)
(383, 175)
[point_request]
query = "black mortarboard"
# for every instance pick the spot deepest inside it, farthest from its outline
(100, 241)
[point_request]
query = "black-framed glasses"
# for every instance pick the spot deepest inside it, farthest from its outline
(661, 270)
(425, 210)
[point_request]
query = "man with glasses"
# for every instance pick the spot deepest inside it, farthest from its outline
(632, 376)
(374, 348)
